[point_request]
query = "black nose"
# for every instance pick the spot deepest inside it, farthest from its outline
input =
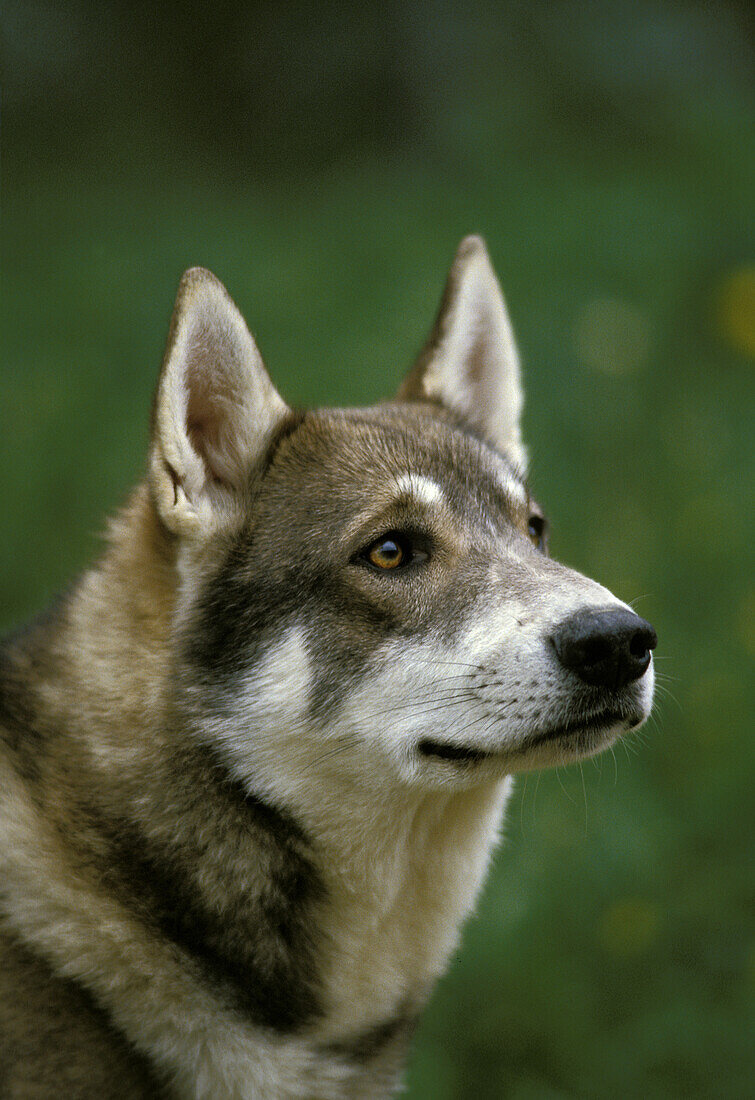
(607, 647)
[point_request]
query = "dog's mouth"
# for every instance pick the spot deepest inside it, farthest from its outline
(455, 753)
(590, 725)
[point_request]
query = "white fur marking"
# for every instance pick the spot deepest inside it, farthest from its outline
(513, 488)
(422, 488)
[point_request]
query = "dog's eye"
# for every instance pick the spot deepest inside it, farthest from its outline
(387, 553)
(537, 528)
(392, 551)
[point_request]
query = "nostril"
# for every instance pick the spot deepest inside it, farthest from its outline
(642, 641)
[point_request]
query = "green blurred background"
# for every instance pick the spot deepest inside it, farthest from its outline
(324, 161)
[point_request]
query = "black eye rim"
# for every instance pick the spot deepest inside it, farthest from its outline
(414, 551)
(537, 529)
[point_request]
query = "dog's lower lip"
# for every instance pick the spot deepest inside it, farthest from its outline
(454, 753)
(592, 722)
(460, 755)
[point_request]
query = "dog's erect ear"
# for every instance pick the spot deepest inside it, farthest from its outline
(215, 411)
(470, 363)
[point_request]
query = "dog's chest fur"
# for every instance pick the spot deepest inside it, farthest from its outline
(398, 899)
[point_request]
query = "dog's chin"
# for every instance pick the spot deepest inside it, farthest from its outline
(577, 740)
(540, 748)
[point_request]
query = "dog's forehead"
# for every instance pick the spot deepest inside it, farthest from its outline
(390, 451)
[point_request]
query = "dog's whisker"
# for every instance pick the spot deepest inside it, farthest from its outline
(665, 692)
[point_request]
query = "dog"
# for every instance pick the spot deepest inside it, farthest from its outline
(253, 764)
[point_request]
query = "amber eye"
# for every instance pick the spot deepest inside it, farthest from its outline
(387, 553)
(396, 551)
(537, 528)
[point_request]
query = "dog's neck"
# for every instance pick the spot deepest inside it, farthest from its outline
(402, 873)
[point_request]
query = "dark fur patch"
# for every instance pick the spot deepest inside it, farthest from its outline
(239, 616)
(16, 712)
(253, 942)
(286, 428)
(454, 753)
(24, 661)
(238, 605)
(56, 1041)
(233, 616)
(369, 1044)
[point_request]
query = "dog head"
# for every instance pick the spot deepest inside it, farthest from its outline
(367, 592)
